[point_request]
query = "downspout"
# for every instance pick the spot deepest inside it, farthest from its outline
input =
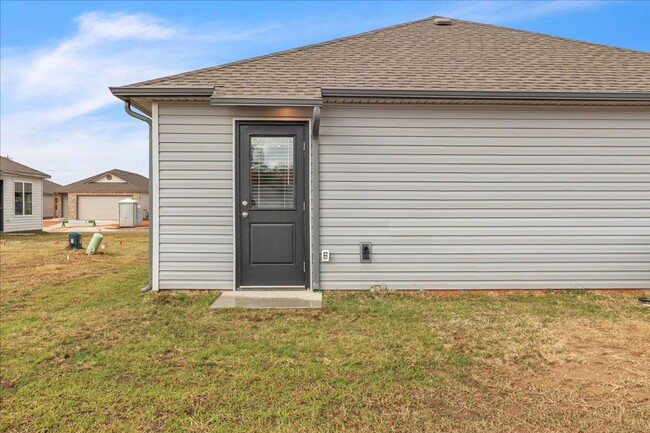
(130, 112)
(315, 195)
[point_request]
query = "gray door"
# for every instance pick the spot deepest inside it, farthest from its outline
(272, 204)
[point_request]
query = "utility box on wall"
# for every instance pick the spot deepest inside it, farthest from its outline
(365, 252)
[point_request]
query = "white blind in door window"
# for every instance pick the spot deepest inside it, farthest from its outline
(272, 173)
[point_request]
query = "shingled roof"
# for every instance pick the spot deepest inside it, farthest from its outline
(423, 55)
(134, 183)
(50, 187)
(9, 167)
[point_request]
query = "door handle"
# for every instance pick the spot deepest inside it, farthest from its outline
(244, 214)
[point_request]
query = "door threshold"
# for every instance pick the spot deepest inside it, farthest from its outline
(271, 288)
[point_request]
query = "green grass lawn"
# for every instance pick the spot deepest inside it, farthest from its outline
(83, 350)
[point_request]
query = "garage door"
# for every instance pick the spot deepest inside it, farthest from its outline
(99, 207)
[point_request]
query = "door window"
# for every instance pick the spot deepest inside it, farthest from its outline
(272, 173)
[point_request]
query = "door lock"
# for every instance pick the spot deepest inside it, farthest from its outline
(244, 214)
(244, 203)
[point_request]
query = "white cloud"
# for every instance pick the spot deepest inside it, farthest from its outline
(69, 152)
(54, 97)
(107, 49)
(94, 26)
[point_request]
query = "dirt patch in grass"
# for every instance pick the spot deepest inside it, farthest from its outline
(588, 377)
(607, 363)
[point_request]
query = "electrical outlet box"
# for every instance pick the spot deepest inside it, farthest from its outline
(365, 252)
(325, 255)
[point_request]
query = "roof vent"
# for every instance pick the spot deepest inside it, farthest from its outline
(441, 21)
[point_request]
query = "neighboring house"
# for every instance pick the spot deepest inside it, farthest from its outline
(51, 200)
(469, 156)
(97, 197)
(21, 197)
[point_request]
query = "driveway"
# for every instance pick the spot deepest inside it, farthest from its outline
(56, 226)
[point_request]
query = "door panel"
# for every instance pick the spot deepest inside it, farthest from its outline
(271, 204)
(272, 243)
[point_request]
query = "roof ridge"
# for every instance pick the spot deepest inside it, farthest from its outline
(287, 51)
(125, 171)
(9, 165)
(91, 178)
(136, 180)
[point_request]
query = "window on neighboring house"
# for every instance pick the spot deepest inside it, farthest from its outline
(28, 198)
(23, 198)
(18, 198)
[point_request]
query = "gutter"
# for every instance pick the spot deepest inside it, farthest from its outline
(19, 174)
(265, 101)
(126, 92)
(485, 94)
(130, 112)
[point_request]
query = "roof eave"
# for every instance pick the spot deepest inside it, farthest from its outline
(141, 97)
(126, 92)
(19, 174)
(485, 94)
(113, 189)
(265, 101)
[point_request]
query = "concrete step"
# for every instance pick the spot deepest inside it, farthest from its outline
(256, 299)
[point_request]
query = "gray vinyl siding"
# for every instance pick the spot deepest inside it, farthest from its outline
(485, 198)
(20, 223)
(196, 192)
